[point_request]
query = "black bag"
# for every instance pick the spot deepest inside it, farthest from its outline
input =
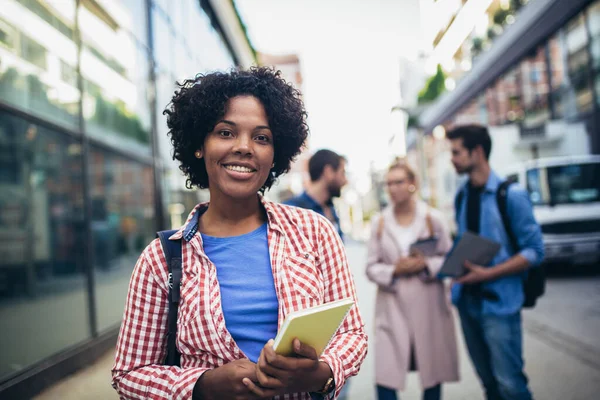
(172, 250)
(534, 284)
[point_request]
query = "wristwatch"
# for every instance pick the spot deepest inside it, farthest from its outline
(329, 385)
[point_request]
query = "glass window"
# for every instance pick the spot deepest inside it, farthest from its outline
(115, 101)
(122, 193)
(508, 98)
(537, 186)
(576, 183)
(36, 40)
(535, 88)
(42, 261)
(136, 19)
(593, 14)
(562, 93)
(164, 40)
(565, 184)
(493, 104)
(578, 59)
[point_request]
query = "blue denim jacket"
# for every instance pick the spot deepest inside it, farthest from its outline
(509, 289)
(305, 201)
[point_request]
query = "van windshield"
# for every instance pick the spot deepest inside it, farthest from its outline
(564, 184)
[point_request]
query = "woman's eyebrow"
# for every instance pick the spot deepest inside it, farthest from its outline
(227, 122)
(234, 124)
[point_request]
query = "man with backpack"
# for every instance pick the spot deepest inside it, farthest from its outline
(489, 298)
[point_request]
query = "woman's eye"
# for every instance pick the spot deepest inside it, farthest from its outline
(263, 138)
(225, 133)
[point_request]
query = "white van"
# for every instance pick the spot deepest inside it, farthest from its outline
(565, 192)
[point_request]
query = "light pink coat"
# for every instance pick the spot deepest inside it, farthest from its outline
(411, 310)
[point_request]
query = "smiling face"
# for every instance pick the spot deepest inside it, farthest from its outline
(239, 151)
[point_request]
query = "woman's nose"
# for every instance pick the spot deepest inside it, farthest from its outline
(243, 145)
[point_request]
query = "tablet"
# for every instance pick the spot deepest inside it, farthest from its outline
(427, 247)
(471, 247)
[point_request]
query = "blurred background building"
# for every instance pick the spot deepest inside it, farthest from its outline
(86, 174)
(295, 180)
(527, 69)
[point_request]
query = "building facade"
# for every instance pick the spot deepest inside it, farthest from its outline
(535, 85)
(86, 174)
(293, 182)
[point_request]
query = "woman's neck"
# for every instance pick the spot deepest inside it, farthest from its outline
(231, 217)
(405, 211)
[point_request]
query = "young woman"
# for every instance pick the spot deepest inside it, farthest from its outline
(414, 326)
(247, 262)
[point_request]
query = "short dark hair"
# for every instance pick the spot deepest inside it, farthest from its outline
(200, 102)
(472, 136)
(321, 159)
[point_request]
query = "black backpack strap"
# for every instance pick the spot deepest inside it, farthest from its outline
(172, 250)
(458, 202)
(502, 200)
(534, 282)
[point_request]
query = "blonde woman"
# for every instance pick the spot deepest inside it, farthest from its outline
(414, 324)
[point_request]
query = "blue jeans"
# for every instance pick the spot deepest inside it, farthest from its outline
(432, 393)
(495, 344)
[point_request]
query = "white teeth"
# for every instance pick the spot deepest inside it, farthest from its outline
(238, 168)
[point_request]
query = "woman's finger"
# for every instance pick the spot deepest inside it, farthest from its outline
(257, 390)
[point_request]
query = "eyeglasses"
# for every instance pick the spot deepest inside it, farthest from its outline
(396, 182)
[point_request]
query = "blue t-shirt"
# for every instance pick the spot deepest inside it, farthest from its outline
(248, 296)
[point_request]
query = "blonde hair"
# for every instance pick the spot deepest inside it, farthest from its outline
(401, 164)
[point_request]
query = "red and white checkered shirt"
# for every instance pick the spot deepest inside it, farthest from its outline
(309, 268)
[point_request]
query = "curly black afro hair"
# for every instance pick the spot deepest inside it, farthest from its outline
(200, 102)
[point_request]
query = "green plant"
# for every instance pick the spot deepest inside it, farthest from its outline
(477, 46)
(116, 117)
(515, 5)
(434, 87)
(500, 15)
(413, 121)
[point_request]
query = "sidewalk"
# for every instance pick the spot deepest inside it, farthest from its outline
(562, 364)
(554, 375)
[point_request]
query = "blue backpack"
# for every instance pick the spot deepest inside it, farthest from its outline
(534, 284)
(172, 250)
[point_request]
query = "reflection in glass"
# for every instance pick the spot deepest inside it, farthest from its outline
(535, 88)
(42, 266)
(122, 225)
(562, 94)
(38, 57)
(578, 59)
(593, 17)
(114, 68)
(505, 98)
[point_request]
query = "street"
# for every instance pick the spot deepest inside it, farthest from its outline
(562, 346)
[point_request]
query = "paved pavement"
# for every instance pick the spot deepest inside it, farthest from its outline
(562, 348)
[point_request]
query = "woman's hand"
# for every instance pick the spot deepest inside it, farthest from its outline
(410, 265)
(278, 374)
(226, 382)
